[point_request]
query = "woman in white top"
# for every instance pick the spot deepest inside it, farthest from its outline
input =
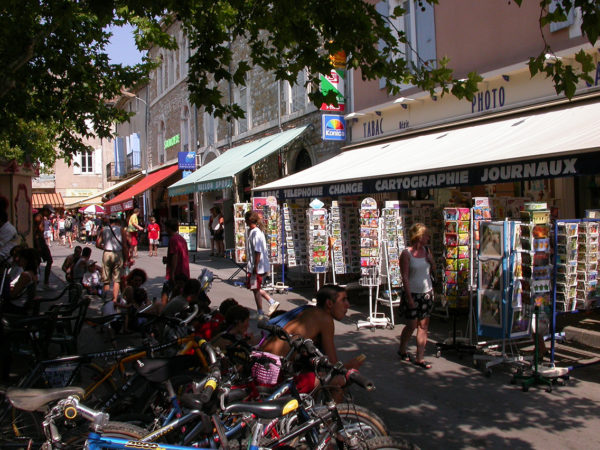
(416, 267)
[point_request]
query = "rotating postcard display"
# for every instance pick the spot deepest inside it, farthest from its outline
(393, 236)
(268, 209)
(457, 241)
(317, 238)
(587, 263)
(290, 247)
(239, 221)
(335, 231)
(493, 262)
(566, 265)
(369, 242)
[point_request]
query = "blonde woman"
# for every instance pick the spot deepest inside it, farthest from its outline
(416, 267)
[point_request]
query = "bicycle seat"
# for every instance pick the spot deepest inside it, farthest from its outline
(264, 410)
(35, 399)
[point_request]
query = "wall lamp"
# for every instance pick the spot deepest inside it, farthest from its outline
(506, 77)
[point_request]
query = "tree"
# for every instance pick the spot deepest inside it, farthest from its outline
(56, 79)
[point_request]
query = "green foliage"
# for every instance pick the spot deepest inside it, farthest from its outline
(57, 85)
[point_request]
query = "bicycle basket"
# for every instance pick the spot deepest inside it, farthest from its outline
(266, 367)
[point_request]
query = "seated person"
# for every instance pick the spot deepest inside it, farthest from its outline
(135, 279)
(317, 323)
(92, 280)
(23, 286)
(70, 262)
(233, 338)
(190, 295)
(81, 266)
(211, 324)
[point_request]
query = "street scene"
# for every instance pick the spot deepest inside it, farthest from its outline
(360, 225)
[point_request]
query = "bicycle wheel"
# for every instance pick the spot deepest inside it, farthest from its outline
(361, 421)
(18, 428)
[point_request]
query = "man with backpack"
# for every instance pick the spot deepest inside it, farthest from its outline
(113, 240)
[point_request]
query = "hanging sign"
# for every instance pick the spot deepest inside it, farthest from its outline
(333, 127)
(186, 160)
(334, 82)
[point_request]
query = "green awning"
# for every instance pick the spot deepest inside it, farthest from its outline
(219, 173)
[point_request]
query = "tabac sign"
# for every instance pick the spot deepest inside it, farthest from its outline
(565, 166)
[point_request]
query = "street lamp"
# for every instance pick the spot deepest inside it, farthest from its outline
(145, 152)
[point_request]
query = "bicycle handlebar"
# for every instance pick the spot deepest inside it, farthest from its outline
(317, 358)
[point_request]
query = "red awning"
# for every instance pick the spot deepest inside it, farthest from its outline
(53, 199)
(124, 201)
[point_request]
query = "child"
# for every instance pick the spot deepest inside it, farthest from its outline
(153, 235)
(91, 279)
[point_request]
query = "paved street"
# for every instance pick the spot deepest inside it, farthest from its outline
(450, 406)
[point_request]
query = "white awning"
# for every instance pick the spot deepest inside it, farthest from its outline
(97, 197)
(523, 147)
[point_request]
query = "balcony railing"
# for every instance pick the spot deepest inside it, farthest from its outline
(134, 162)
(115, 171)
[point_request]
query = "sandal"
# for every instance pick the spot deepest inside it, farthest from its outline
(423, 364)
(403, 356)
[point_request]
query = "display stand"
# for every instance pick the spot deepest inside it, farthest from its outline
(459, 275)
(318, 256)
(496, 258)
(370, 260)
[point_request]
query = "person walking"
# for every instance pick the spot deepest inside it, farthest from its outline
(89, 228)
(217, 232)
(41, 238)
(112, 240)
(153, 236)
(69, 229)
(61, 229)
(416, 266)
(133, 227)
(257, 264)
(177, 260)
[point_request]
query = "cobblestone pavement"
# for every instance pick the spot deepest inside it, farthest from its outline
(451, 406)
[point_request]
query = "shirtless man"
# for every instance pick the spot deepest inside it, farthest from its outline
(317, 323)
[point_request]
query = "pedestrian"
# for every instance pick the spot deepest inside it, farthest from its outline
(69, 229)
(61, 229)
(89, 228)
(257, 264)
(218, 226)
(153, 236)
(133, 228)
(177, 260)
(47, 230)
(416, 266)
(41, 240)
(54, 220)
(112, 240)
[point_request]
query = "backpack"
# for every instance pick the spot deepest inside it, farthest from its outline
(68, 223)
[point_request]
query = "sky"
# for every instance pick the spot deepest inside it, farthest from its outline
(122, 49)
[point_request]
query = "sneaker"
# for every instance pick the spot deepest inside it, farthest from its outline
(273, 307)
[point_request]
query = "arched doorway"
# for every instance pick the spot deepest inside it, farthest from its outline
(303, 161)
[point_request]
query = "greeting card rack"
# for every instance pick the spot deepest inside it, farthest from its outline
(370, 260)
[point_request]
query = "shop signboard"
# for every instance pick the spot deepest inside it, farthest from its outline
(188, 233)
(334, 82)
(563, 166)
(187, 160)
(172, 141)
(333, 127)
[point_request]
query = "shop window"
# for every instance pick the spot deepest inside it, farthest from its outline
(242, 98)
(297, 93)
(160, 144)
(418, 25)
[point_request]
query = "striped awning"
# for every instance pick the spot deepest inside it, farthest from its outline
(53, 199)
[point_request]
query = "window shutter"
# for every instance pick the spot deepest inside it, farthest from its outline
(77, 163)
(425, 24)
(555, 26)
(382, 8)
(98, 161)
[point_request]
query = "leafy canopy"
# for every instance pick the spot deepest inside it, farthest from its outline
(56, 82)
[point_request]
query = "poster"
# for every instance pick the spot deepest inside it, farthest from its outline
(491, 239)
(490, 308)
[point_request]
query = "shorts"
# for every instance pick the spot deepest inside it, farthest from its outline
(61, 233)
(48, 234)
(423, 306)
(153, 241)
(259, 281)
(219, 235)
(112, 267)
(134, 238)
